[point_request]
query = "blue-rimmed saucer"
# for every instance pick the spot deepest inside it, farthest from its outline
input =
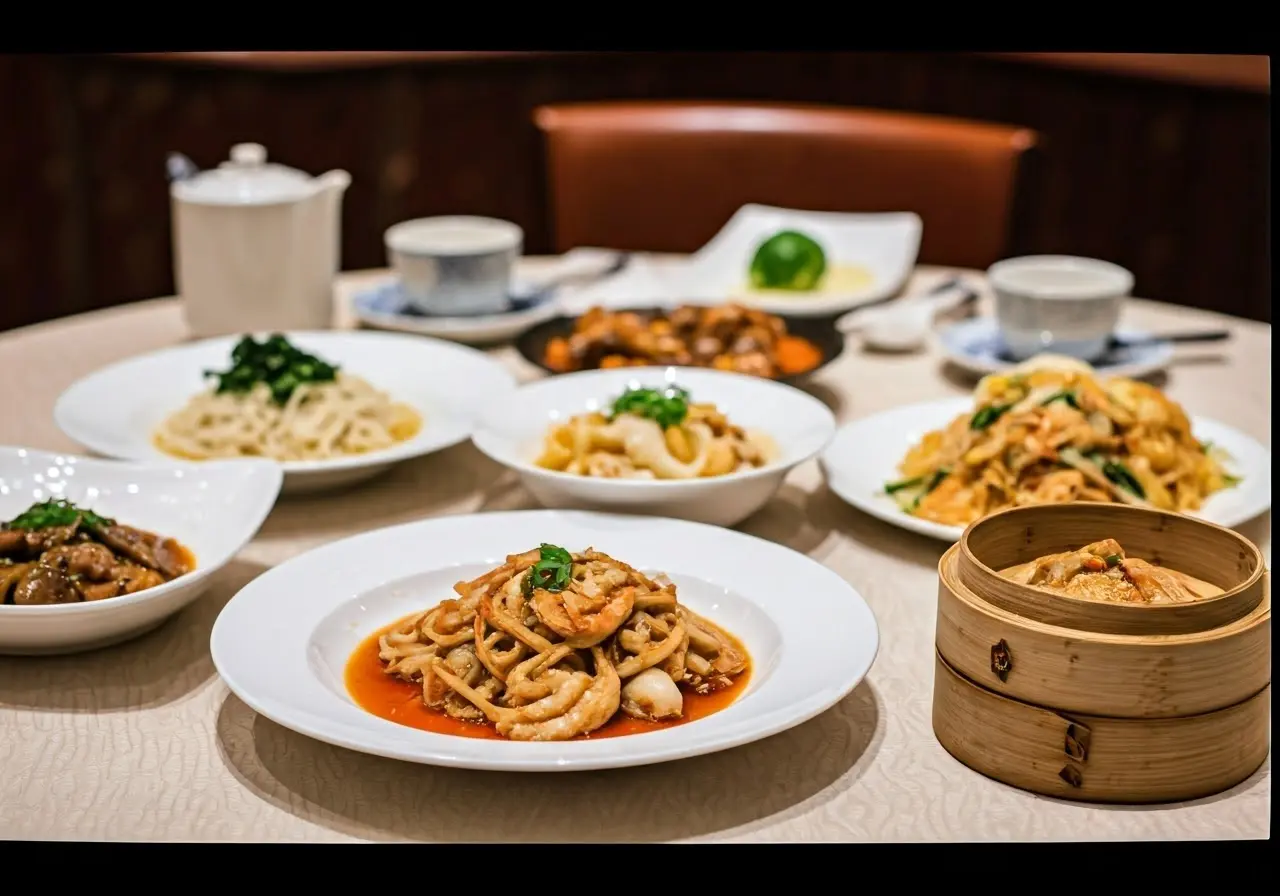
(384, 307)
(974, 345)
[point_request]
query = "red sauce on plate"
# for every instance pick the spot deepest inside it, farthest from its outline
(396, 700)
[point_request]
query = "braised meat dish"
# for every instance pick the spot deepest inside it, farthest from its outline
(724, 337)
(57, 553)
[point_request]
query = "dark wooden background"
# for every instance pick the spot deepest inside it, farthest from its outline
(1167, 176)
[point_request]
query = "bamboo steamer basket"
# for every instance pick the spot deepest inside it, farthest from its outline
(1097, 701)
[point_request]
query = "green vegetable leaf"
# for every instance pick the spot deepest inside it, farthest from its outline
(988, 415)
(936, 478)
(892, 487)
(55, 512)
(1066, 395)
(668, 407)
(1122, 476)
(273, 361)
(1231, 480)
(908, 493)
(552, 571)
(1113, 559)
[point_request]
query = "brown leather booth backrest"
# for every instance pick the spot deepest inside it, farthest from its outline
(665, 176)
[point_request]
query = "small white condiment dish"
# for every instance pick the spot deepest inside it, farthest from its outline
(455, 264)
(513, 428)
(1057, 303)
(213, 510)
(904, 325)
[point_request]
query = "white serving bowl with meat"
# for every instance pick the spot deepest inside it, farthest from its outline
(752, 431)
(95, 552)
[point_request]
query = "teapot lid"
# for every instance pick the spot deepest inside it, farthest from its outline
(247, 179)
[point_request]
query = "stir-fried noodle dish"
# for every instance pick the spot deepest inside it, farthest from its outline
(1050, 432)
(279, 402)
(653, 434)
(551, 645)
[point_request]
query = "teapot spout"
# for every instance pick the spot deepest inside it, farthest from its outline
(335, 181)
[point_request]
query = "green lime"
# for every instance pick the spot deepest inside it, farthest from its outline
(788, 260)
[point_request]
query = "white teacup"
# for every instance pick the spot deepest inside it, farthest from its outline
(1058, 303)
(455, 264)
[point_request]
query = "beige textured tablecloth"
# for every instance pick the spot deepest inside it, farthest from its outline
(143, 742)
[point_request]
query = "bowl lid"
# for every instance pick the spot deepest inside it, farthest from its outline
(246, 179)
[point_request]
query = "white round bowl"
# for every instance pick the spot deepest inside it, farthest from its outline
(213, 510)
(512, 428)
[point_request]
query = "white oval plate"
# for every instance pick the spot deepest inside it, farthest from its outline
(886, 244)
(512, 431)
(383, 307)
(865, 455)
(213, 510)
(974, 346)
(282, 644)
(114, 411)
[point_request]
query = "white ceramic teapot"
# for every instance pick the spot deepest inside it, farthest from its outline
(256, 245)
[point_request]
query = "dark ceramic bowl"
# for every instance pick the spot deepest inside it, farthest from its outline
(822, 332)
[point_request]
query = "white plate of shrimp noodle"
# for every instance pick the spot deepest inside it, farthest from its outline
(544, 640)
(1050, 431)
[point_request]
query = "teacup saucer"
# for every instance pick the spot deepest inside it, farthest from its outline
(974, 345)
(384, 307)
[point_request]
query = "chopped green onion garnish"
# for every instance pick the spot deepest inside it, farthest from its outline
(668, 407)
(552, 571)
(55, 512)
(274, 361)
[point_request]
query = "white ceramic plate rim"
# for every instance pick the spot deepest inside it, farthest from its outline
(490, 445)
(481, 326)
(878, 505)
(338, 724)
(255, 516)
(1157, 356)
(425, 442)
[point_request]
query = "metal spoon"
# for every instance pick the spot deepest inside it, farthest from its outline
(539, 291)
(1123, 343)
(1120, 342)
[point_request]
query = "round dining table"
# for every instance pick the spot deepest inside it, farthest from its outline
(143, 742)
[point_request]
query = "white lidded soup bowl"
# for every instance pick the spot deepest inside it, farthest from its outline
(512, 431)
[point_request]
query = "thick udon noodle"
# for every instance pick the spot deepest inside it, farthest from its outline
(704, 444)
(319, 421)
(548, 666)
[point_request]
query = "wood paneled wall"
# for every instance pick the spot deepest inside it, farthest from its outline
(1169, 179)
